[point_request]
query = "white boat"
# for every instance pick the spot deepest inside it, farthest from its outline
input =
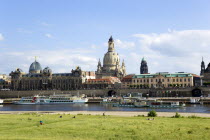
(53, 99)
(194, 101)
(1, 101)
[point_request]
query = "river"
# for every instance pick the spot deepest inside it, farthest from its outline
(196, 108)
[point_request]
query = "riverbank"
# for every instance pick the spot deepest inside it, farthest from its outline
(112, 113)
(27, 126)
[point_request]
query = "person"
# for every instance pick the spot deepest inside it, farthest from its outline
(41, 122)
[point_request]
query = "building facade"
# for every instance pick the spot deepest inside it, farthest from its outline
(38, 79)
(162, 80)
(108, 82)
(111, 64)
(5, 82)
(143, 67)
(127, 81)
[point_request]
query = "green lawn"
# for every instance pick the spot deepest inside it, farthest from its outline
(26, 126)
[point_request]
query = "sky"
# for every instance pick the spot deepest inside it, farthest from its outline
(172, 35)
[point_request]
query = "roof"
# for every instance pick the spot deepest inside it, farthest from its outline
(35, 66)
(163, 74)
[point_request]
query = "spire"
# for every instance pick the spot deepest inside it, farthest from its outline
(99, 62)
(35, 58)
(123, 63)
(111, 39)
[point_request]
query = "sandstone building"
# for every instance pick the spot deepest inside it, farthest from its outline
(43, 79)
(162, 80)
(111, 64)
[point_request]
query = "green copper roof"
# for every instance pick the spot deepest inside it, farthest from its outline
(163, 74)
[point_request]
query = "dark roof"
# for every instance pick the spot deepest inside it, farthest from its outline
(35, 66)
(111, 39)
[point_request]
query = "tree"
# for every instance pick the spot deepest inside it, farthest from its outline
(152, 113)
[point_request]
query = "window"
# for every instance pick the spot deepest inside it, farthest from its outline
(173, 80)
(180, 80)
(162, 80)
(177, 80)
(151, 80)
(188, 79)
(168, 80)
(185, 80)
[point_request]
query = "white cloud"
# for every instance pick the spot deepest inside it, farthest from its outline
(124, 44)
(1, 37)
(170, 51)
(49, 35)
(21, 30)
(57, 60)
(175, 50)
(45, 24)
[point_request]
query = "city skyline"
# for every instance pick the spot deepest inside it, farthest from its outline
(77, 34)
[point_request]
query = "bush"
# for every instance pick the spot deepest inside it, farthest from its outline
(193, 117)
(177, 115)
(152, 113)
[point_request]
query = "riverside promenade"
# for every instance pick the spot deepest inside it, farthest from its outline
(112, 113)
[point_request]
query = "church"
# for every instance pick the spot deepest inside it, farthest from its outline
(111, 64)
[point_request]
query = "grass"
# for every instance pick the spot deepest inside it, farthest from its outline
(88, 127)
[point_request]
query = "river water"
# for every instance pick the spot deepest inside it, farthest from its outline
(197, 108)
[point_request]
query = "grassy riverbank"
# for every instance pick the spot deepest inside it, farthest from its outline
(26, 126)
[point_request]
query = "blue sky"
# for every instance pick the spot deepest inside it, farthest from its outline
(172, 35)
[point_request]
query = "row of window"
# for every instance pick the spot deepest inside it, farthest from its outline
(162, 80)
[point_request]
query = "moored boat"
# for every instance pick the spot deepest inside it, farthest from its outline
(53, 99)
(1, 101)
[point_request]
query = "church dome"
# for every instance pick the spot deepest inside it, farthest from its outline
(35, 67)
(110, 58)
(47, 70)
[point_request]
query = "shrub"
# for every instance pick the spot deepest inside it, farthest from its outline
(152, 113)
(193, 117)
(177, 115)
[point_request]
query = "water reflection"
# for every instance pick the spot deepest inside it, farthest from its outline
(98, 107)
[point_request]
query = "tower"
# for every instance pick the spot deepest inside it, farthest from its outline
(111, 44)
(202, 67)
(111, 63)
(143, 67)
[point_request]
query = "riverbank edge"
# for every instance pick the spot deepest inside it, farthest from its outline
(112, 113)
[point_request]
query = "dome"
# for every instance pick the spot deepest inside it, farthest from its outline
(19, 70)
(111, 58)
(35, 67)
(47, 70)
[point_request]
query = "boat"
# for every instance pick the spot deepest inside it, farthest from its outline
(144, 102)
(194, 101)
(53, 99)
(1, 101)
(161, 104)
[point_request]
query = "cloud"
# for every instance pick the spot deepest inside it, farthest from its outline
(1, 37)
(49, 35)
(21, 30)
(171, 51)
(45, 24)
(124, 44)
(175, 50)
(57, 60)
